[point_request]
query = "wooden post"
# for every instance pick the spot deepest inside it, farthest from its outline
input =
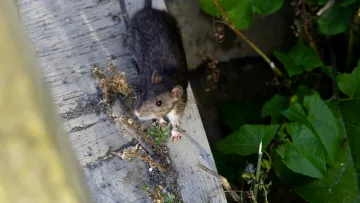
(37, 163)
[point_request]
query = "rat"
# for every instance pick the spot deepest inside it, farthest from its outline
(154, 40)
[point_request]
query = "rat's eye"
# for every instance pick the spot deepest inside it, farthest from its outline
(158, 103)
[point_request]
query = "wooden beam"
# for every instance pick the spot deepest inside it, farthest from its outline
(70, 38)
(37, 164)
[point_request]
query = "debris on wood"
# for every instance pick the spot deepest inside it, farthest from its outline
(150, 141)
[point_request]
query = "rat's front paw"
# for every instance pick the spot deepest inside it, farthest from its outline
(175, 135)
(162, 123)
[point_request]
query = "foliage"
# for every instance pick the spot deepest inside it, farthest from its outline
(159, 195)
(336, 19)
(160, 135)
(246, 140)
(313, 143)
(301, 58)
(341, 183)
(242, 12)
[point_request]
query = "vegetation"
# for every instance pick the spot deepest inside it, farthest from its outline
(161, 136)
(309, 129)
(159, 195)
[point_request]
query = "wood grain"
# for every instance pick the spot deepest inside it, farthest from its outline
(69, 38)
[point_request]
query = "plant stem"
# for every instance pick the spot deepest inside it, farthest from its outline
(258, 171)
(326, 7)
(275, 69)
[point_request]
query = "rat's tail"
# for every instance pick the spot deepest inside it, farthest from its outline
(148, 4)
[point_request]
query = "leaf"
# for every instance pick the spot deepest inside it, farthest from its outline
(350, 113)
(241, 11)
(290, 66)
(302, 91)
(341, 183)
(305, 57)
(349, 83)
(266, 7)
(286, 176)
(209, 7)
(347, 2)
(295, 113)
(322, 2)
(320, 120)
(241, 15)
(335, 20)
(300, 58)
(273, 107)
(303, 155)
(246, 140)
(327, 71)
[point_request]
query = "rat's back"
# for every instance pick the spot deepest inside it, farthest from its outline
(154, 40)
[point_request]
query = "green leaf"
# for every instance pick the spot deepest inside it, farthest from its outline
(350, 113)
(335, 20)
(266, 7)
(273, 107)
(349, 83)
(305, 57)
(341, 183)
(300, 57)
(322, 2)
(241, 15)
(290, 66)
(209, 7)
(320, 120)
(302, 91)
(295, 113)
(286, 176)
(303, 155)
(347, 2)
(327, 70)
(241, 11)
(246, 140)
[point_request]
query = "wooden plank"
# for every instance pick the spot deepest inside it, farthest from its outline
(37, 162)
(69, 38)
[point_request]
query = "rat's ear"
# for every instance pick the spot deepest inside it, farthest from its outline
(177, 92)
(155, 78)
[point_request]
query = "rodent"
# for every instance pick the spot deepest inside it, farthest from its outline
(154, 40)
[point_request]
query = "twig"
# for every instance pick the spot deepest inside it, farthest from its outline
(223, 181)
(310, 38)
(258, 168)
(229, 23)
(326, 7)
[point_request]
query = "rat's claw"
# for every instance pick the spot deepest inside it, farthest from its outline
(162, 123)
(175, 135)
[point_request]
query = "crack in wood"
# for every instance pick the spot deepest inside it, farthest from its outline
(124, 13)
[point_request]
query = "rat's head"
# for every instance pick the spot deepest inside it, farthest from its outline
(158, 99)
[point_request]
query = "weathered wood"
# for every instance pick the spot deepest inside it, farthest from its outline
(69, 38)
(37, 163)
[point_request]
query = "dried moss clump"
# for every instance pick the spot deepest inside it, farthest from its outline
(112, 82)
(137, 151)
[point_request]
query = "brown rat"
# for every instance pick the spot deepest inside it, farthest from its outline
(154, 40)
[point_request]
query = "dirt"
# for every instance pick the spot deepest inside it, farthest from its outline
(92, 105)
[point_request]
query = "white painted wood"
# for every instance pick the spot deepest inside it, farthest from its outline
(69, 38)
